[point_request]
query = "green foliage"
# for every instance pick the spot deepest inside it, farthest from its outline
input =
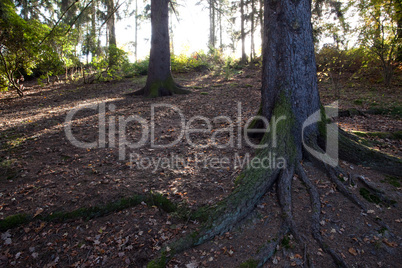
(18, 45)
(336, 65)
(117, 58)
(134, 69)
(31, 48)
(184, 64)
(113, 67)
(379, 32)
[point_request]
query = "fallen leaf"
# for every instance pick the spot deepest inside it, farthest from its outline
(38, 211)
(390, 244)
(353, 251)
(192, 265)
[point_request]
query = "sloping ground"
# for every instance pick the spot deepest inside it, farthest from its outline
(42, 174)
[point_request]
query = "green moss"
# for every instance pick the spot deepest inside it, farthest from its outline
(286, 146)
(168, 85)
(251, 263)
(394, 181)
(286, 242)
(162, 202)
(204, 93)
(257, 123)
(393, 111)
(88, 213)
(239, 179)
(397, 135)
(13, 221)
(382, 230)
(159, 262)
(369, 197)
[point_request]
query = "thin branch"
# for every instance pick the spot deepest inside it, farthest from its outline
(62, 15)
(77, 17)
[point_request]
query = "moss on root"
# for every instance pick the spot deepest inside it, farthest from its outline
(164, 88)
(351, 150)
(251, 185)
(88, 213)
(251, 263)
(13, 221)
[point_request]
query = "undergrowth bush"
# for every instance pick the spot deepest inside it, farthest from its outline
(183, 64)
(350, 63)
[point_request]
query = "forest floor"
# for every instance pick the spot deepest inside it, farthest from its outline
(42, 173)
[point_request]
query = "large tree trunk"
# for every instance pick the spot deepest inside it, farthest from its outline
(289, 69)
(160, 81)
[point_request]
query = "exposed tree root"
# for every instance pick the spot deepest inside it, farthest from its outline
(269, 249)
(285, 200)
(351, 150)
(253, 185)
(316, 210)
(160, 89)
(339, 176)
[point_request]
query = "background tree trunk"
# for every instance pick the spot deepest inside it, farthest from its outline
(112, 32)
(252, 48)
(160, 81)
(212, 27)
(243, 33)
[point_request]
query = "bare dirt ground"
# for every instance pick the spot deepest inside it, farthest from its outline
(42, 172)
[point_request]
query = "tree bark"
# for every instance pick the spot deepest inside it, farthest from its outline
(212, 27)
(136, 32)
(242, 33)
(112, 32)
(160, 81)
(252, 49)
(289, 67)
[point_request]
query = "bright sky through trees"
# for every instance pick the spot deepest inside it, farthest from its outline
(190, 30)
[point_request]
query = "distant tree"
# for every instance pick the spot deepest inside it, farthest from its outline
(212, 24)
(160, 81)
(380, 33)
(243, 31)
(111, 10)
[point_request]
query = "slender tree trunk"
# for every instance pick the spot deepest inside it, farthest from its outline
(212, 28)
(112, 32)
(261, 17)
(136, 32)
(220, 25)
(243, 34)
(94, 41)
(160, 81)
(252, 49)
